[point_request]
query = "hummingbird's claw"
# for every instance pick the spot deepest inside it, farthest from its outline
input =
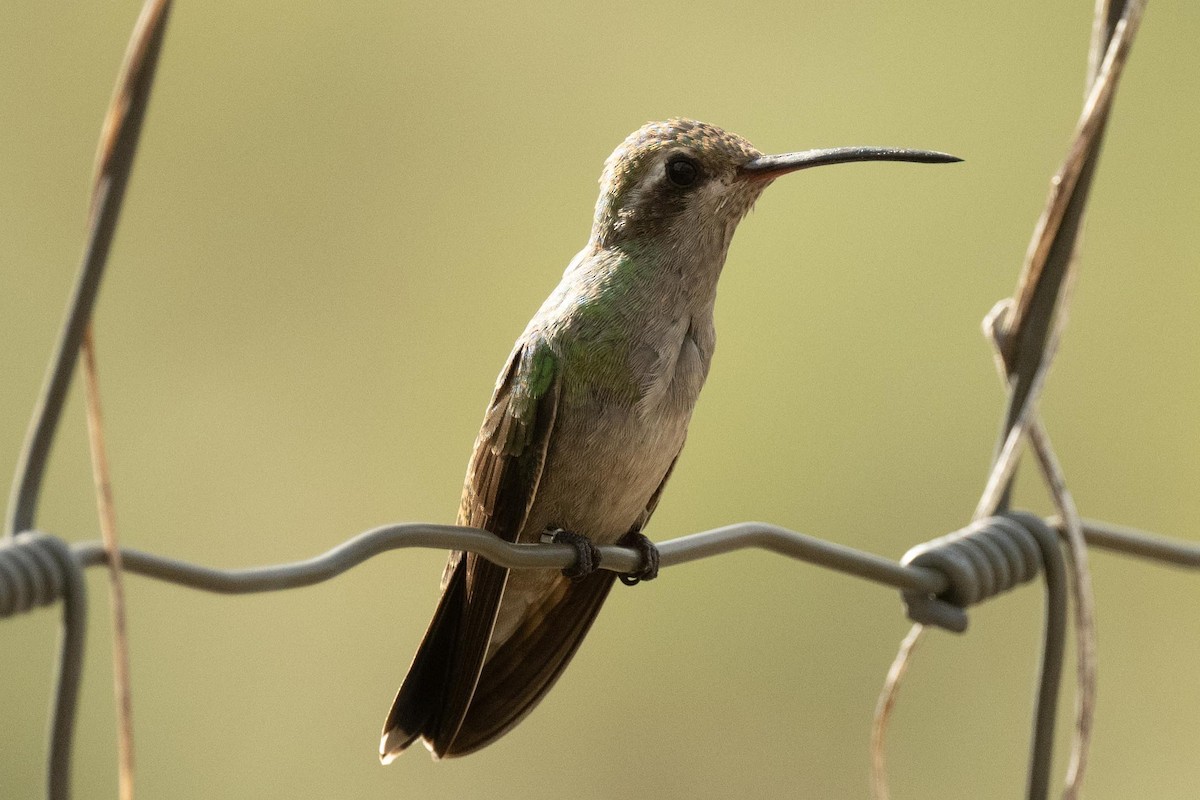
(587, 556)
(649, 570)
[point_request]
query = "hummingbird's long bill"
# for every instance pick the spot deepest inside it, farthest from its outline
(769, 167)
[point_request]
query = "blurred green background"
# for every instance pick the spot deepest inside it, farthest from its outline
(343, 214)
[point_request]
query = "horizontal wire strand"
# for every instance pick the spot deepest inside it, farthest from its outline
(681, 550)
(741, 536)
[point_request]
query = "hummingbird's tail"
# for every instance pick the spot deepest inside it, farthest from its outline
(521, 671)
(458, 704)
(437, 690)
(421, 695)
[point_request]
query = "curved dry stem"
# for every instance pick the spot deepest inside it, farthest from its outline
(883, 711)
(1085, 609)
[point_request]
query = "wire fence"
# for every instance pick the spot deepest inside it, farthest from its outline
(997, 551)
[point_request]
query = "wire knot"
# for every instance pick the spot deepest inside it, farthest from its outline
(34, 571)
(984, 559)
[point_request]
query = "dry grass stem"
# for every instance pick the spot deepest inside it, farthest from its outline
(122, 687)
(883, 711)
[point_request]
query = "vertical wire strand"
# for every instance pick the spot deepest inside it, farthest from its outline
(72, 638)
(114, 162)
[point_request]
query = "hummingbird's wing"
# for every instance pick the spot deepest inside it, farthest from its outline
(501, 484)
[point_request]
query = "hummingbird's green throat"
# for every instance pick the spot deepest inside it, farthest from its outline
(586, 424)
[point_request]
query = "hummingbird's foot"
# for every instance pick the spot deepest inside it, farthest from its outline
(587, 556)
(649, 570)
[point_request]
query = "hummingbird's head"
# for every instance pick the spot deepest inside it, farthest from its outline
(674, 175)
(689, 183)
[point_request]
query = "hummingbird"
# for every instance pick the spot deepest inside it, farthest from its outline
(586, 423)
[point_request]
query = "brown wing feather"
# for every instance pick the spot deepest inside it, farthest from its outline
(502, 481)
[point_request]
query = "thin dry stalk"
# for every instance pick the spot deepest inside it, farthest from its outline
(883, 711)
(1085, 609)
(122, 687)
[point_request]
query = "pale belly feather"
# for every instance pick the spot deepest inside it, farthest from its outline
(601, 472)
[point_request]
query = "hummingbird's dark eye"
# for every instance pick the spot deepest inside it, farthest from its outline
(682, 171)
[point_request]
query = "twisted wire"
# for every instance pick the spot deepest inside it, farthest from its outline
(36, 570)
(31, 574)
(988, 557)
(991, 556)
